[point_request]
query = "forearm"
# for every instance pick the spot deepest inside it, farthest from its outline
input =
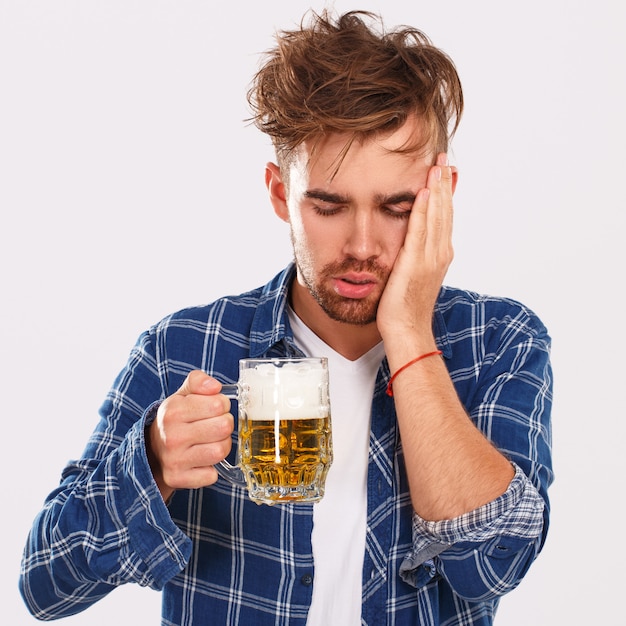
(451, 466)
(54, 578)
(105, 526)
(483, 554)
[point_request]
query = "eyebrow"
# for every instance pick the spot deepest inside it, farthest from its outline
(397, 198)
(335, 198)
(325, 196)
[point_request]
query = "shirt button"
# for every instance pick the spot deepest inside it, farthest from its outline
(307, 579)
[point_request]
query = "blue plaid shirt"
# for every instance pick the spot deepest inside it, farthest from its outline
(222, 559)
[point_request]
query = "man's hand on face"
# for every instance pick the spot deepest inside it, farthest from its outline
(191, 432)
(407, 303)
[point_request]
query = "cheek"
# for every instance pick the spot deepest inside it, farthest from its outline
(392, 235)
(397, 240)
(314, 234)
(299, 236)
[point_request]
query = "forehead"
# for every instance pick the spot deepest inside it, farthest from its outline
(328, 156)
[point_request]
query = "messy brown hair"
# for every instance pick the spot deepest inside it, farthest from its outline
(345, 76)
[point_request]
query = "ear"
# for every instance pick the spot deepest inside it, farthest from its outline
(277, 192)
(455, 177)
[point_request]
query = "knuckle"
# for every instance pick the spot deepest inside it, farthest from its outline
(221, 427)
(170, 409)
(173, 441)
(217, 404)
(195, 376)
(228, 423)
(211, 476)
(172, 478)
(226, 445)
(218, 451)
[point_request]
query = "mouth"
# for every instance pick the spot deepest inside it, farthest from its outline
(354, 286)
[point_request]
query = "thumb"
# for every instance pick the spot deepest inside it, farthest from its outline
(197, 382)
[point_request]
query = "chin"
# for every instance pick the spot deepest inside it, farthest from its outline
(354, 312)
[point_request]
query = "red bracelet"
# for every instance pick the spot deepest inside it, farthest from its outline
(419, 358)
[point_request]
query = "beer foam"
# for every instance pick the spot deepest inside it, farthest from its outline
(290, 391)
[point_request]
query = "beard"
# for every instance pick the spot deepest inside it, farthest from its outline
(360, 311)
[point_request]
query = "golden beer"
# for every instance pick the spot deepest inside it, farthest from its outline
(285, 459)
(285, 443)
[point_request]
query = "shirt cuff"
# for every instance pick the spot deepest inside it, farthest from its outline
(159, 543)
(518, 513)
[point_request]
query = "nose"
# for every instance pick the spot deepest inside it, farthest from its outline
(363, 237)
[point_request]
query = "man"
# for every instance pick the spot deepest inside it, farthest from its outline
(436, 503)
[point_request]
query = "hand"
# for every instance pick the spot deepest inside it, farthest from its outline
(407, 303)
(191, 432)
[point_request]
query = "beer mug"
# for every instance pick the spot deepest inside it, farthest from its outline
(284, 439)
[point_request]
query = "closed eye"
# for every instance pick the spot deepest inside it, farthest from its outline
(326, 210)
(397, 205)
(326, 204)
(398, 212)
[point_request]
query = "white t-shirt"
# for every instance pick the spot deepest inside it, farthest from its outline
(340, 518)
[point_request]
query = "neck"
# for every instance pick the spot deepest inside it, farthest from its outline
(350, 340)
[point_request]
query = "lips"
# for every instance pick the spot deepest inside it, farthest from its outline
(354, 286)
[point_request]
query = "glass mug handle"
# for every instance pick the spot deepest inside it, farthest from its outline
(231, 473)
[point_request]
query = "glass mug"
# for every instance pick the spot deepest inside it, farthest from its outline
(284, 441)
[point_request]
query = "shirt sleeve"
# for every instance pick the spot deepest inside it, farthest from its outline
(106, 524)
(490, 539)
(485, 553)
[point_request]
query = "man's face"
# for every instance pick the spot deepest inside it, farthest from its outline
(348, 224)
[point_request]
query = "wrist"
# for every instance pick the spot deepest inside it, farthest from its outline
(400, 349)
(155, 466)
(407, 365)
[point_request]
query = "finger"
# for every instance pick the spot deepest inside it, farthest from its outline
(184, 409)
(209, 454)
(425, 224)
(191, 478)
(417, 229)
(198, 444)
(212, 429)
(447, 191)
(198, 382)
(440, 208)
(195, 468)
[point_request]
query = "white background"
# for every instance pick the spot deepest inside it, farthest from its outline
(130, 187)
